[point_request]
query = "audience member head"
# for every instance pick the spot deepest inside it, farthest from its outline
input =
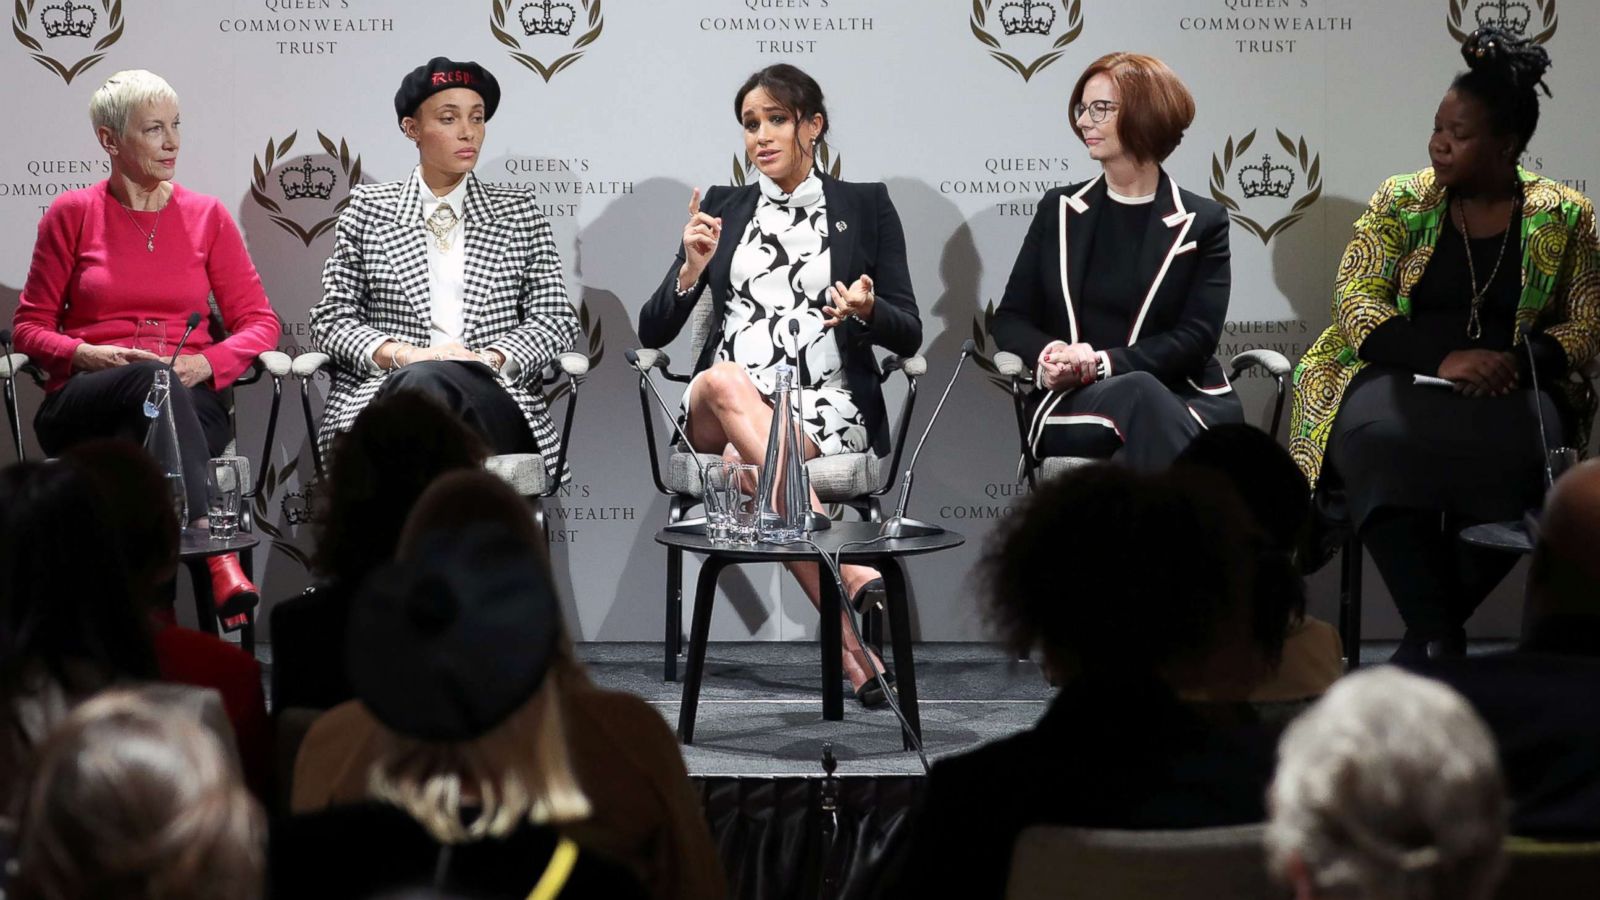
(1275, 491)
(139, 510)
(398, 445)
(450, 647)
(62, 620)
(1388, 788)
(1564, 578)
(131, 800)
(1111, 572)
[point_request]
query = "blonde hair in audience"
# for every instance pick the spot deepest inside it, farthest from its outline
(1389, 788)
(520, 771)
(135, 800)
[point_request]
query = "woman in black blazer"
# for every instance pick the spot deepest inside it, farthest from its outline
(1120, 291)
(806, 252)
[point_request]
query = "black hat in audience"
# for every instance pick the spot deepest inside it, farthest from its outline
(444, 646)
(441, 74)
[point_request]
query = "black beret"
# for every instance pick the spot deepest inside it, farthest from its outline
(447, 644)
(442, 74)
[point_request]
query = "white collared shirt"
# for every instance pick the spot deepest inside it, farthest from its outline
(447, 279)
(447, 268)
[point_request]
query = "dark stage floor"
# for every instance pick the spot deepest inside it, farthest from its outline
(760, 707)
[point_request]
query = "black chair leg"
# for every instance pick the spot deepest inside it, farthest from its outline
(1350, 602)
(704, 596)
(894, 581)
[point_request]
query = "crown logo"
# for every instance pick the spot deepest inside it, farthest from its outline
(68, 20)
(1266, 180)
(1027, 17)
(315, 181)
(556, 18)
(1504, 14)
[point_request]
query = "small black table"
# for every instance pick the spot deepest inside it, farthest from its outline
(882, 555)
(195, 546)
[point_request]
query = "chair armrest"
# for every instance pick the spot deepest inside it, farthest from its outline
(575, 365)
(308, 364)
(1010, 365)
(653, 359)
(913, 366)
(1274, 362)
(11, 365)
(276, 362)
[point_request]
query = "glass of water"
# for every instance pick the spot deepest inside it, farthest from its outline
(741, 502)
(715, 498)
(151, 335)
(224, 494)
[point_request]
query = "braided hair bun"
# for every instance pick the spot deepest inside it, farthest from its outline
(1505, 72)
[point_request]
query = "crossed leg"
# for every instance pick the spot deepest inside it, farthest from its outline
(725, 410)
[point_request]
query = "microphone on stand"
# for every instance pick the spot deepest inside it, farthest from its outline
(189, 327)
(1538, 408)
(632, 356)
(815, 521)
(898, 526)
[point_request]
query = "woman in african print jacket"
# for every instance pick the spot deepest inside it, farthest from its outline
(1455, 276)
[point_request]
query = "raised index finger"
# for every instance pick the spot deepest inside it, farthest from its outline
(694, 203)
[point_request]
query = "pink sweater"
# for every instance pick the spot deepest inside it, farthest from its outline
(92, 280)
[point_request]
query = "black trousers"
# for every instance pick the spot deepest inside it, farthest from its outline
(110, 404)
(473, 392)
(1133, 417)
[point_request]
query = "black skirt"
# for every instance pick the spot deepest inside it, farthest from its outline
(1402, 445)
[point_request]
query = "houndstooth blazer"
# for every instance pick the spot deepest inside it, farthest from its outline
(375, 285)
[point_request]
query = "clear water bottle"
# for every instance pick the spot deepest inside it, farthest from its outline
(781, 493)
(161, 441)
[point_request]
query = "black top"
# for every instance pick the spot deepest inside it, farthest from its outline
(1120, 752)
(308, 649)
(370, 849)
(1540, 702)
(1112, 292)
(1179, 280)
(1441, 305)
(865, 238)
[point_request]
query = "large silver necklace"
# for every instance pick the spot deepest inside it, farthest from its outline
(1474, 323)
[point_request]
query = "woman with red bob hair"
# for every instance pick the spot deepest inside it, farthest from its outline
(1118, 295)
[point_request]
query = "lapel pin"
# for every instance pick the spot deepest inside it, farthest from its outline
(841, 225)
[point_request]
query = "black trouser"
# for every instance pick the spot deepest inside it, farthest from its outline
(1134, 413)
(1436, 579)
(473, 392)
(110, 404)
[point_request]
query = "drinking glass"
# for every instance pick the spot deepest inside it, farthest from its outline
(224, 493)
(150, 335)
(1561, 459)
(741, 480)
(715, 498)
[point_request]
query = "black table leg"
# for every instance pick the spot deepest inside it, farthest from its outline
(894, 582)
(832, 650)
(705, 594)
(671, 643)
(205, 607)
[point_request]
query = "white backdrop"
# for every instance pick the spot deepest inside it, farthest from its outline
(614, 109)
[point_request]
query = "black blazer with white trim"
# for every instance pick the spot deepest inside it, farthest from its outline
(865, 237)
(1184, 262)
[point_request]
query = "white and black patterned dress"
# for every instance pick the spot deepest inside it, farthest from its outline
(780, 273)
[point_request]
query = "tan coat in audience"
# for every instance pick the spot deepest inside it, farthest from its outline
(646, 813)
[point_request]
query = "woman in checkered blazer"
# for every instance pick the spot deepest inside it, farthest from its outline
(444, 284)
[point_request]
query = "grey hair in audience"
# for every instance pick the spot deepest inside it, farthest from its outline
(1388, 788)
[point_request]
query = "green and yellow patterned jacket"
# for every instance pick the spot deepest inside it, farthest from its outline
(1394, 239)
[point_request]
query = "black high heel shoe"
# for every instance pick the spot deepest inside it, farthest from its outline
(870, 695)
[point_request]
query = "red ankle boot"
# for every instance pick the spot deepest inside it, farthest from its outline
(231, 591)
